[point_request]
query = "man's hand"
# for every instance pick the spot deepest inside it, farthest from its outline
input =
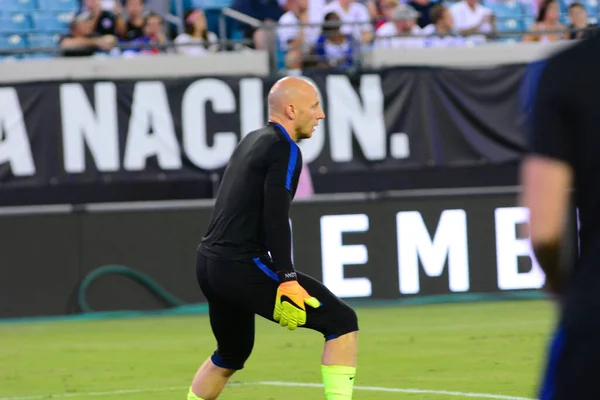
(290, 309)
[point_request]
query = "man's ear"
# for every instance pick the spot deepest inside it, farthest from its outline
(291, 112)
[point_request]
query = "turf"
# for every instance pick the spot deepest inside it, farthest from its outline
(496, 348)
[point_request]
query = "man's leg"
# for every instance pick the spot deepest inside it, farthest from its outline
(209, 381)
(339, 366)
(335, 320)
(233, 328)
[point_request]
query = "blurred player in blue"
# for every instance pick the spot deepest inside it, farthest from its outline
(244, 263)
(565, 154)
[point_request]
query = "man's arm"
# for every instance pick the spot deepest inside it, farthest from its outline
(547, 175)
(277, 202)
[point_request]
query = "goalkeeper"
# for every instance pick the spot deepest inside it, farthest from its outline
(244, 264)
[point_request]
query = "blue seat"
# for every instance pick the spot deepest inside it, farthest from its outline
(15, 22)
(591, 7)
(67, 5)
(52, 21)
(38, 41)
(41, 41)
(12, 42)
(509, 17)
(18, 5)
(206, 4)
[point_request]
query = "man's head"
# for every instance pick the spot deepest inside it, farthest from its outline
(294, 103)
(298, 6)
(578, 15)
(82, 25)
(405, 18)
(153, 24)
(441, 17)
(135, 8)
(388, 7)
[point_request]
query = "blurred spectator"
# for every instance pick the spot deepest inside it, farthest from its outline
(355, 18)
(153, 37)
(396, 33)
(133, 27)
(335, 49)
(82, 40)
(548, 19)
(471, 18)
(268, 11)
(441, 30)
(294, 62)
(423, 7)
(196, 39)
(105, 15)
(579, 20)
(385, 12)
(372, 7)
(292, 36)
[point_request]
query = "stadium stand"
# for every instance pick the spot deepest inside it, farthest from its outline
(33, 28)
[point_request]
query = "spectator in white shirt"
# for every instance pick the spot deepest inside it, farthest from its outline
(471, 18)
(397, 33)
(356, 14)
(293, 36)
(441, 30)
(197, 39)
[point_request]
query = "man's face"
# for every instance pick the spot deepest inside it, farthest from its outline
(91, 4)
(83, 28)
(134, 8)
(302, 5)
(405, 25)
(153, 26)
(308, 113)
(447, 19)
(578, 16)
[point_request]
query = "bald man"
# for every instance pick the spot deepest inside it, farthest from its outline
(244, 265)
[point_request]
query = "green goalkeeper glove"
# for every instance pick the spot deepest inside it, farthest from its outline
(290, 310)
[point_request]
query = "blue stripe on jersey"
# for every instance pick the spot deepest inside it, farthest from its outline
(548, 385)
(293, 159)
(528, 89)
(266, 269)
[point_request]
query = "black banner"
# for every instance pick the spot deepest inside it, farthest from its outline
(110, 140)
(364, 249)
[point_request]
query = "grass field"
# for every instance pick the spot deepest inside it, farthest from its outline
(465, 349)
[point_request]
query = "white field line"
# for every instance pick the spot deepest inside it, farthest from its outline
(280, 384)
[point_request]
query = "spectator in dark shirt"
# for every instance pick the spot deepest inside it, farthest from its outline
(334, 49)
(82, 40)
(153, 36)
(104, 20)
(579, 20)
(133, 28)
(423, 7)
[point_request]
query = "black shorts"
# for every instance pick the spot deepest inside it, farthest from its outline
(236, 291)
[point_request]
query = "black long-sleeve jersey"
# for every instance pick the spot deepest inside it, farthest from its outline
(250, 218)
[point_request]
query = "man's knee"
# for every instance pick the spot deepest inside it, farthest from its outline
(346, 321)
(233, 358)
